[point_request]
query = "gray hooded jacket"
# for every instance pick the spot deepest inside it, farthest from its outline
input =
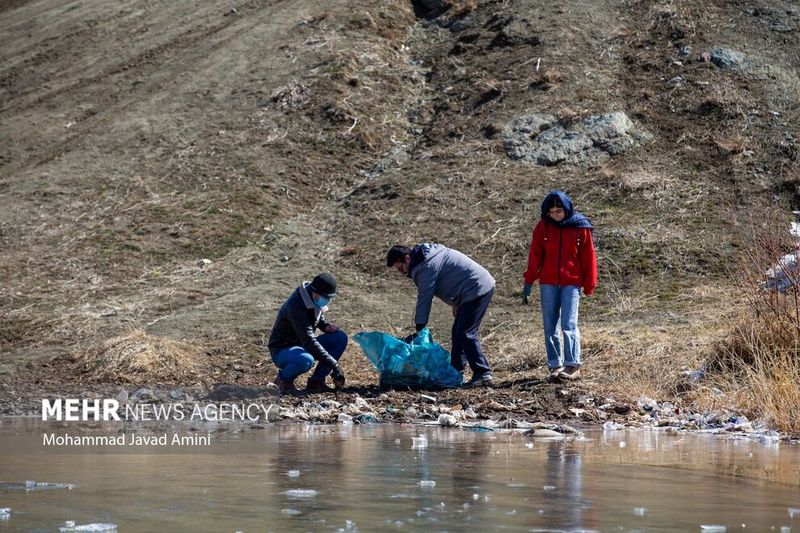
(447, 274)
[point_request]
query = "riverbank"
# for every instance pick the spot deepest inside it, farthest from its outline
(513, 405)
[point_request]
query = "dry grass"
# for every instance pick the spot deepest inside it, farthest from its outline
(761, 370)
(758, 364)
(136, 356)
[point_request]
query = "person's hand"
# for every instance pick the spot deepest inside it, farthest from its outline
(338, 377)
(410, 338)
(526, 293)
(331, 328)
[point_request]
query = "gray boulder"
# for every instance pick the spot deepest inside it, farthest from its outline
(725, 58)
(541, 139)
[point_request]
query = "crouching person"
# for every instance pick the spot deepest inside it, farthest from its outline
(293, 345)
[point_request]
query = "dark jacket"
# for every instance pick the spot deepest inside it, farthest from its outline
(297, 319)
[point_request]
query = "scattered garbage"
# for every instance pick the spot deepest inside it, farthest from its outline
(293, 473)
(35, 485)
(290, 512)
(419, 442)
(5, 513)
(713, 528)
(427, 483)
(784, 274)
(419, 364)
(69, 525)
(344, 419)
(640, 511)
(301, 493)
(447, 421)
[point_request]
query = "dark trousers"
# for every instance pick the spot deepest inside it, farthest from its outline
(466, 346)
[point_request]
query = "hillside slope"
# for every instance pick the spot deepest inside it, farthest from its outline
(180, 169)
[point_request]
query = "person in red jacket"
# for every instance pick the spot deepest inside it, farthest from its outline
(562, 258)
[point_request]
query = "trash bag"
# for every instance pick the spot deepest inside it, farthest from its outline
(422, 364)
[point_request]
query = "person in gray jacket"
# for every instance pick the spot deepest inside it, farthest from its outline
(461, 283)
(293, 345)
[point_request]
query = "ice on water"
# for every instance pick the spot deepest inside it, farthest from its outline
(301, 493)
(70, 526)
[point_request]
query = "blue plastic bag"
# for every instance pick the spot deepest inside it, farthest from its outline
(423, 364)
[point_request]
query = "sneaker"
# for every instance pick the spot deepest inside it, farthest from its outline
(570, 373)
(484, 380)
(554, 372)
(285, 387)
(314, 386)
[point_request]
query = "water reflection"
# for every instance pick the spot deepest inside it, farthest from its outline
(327, 478)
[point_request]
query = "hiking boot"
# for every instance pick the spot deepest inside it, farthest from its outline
(484, 380)
(570, 373)
(554, 372)
(285, 387)
(314, 386)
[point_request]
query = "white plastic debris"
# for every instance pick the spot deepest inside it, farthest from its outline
(783, 274)
(301, 493)
(427, 483)
(345, 418)
(70, 526)
(610, 425)
(793, 512)
(648, 404)
(713, 528)
(290, 512)
(447, 420)
(640, 511)
(293, 473)
(419, 442)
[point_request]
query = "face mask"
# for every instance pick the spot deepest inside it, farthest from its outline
(322, 302)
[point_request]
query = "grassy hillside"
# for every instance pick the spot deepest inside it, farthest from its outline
(279, 139)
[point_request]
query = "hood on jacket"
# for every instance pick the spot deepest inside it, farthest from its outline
(572, 218)
(421, 253)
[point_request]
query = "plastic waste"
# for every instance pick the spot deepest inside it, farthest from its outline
(419, 442)
(301, 493)
(69, 525)
(419, 364)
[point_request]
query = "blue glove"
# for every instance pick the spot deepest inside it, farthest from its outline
(526, 292)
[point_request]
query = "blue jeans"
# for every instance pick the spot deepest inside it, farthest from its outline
(294, 360)
(560, 306)
(466, 345)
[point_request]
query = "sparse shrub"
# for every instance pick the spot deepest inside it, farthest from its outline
(758, 364)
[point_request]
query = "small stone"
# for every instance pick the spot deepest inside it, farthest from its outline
(143, 395)
(546, 434)
(622, 409)
(122, 396)
(204, 262)
(176, 394)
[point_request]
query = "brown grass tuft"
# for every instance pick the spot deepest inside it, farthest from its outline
(138, 356)
(758, 364)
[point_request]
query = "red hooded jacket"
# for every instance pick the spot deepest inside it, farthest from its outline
(562, 256)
